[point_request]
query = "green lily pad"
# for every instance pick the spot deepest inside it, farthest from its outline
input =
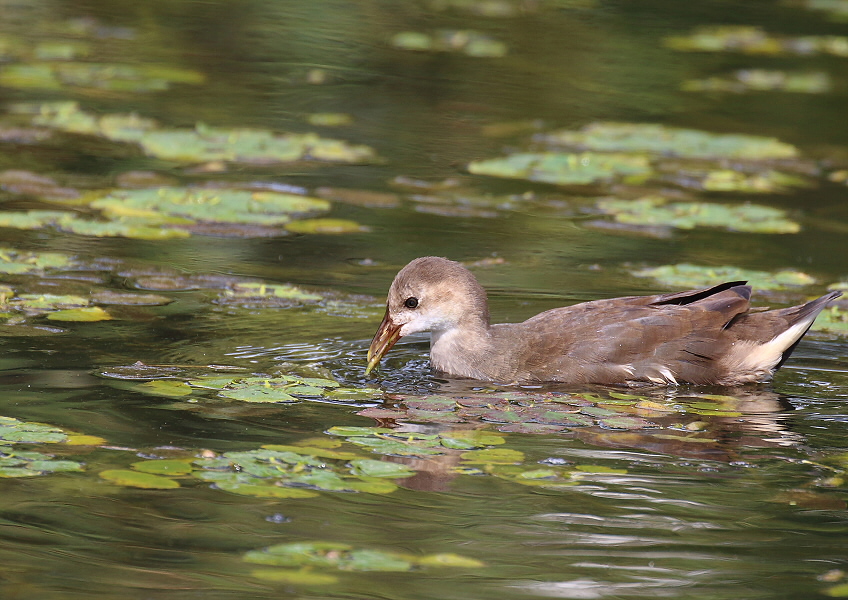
(253, 290)
(168, 388)
(493, 456)
(693, 276)
(303, 576)
(468, 42)
(671, 141)
(137, 479)
(15, 463)
(762, 80)
(201, 144)
(110, 297)
(15, 262)
(14, 430)
(258, 393)
(449, 559)
(88, 314)
(163, 467)
(326, 226)
(655, 210)
(94, 76)
(564, 168)
(379, 468)
(264, 490)
(286, 471)
(357, 431)
(327, 555)
(833, 319)
(755, 40)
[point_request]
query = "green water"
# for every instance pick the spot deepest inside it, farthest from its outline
(755, 509)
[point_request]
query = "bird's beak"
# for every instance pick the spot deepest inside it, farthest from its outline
(384, 339)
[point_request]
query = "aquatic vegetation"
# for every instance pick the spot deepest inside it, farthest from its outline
(755, 40)
(761, 80)
(16, 262)
(468, 42)
(86, 76)
(17, 181)
(656, 210)
(138, 479)
(685, 275)
(381, 440)
(304, 558)
(833, 319)
(25, 463)
(199, 145)
(297, 472)
(177, 212)
(563, 168)
(669, 141)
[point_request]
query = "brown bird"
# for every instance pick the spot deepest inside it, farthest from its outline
(708, 336)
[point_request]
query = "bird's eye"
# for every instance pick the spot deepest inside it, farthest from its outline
(410, 302)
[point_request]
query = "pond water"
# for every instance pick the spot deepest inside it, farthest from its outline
(184, 411)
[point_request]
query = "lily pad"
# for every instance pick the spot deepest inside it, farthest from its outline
(15, 262)
(16, 431)
(378, 468)
(755, 40)
(670, 141)
(656, 210)
(564, 168)
(762, 80)
(14, 463)
(685, 275)
(493, 456)
(286, 471)
(326, 226)
(202, 144)
(468, 42)
(833, 319)
(88, 314)
(137, 479)
(94, 76)
(163, 467)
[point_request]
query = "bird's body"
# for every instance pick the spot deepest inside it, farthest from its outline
(708, 336)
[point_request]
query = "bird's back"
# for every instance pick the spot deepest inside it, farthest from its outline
(707, 336)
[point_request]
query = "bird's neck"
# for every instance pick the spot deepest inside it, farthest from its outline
(462, 350)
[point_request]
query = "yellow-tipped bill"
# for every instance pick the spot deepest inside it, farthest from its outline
(384, 339)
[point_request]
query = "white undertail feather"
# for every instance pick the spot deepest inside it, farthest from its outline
(759, 358)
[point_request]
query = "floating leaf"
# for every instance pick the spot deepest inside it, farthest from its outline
(759, 80)
(163, 466)
(563, 168)
(93, 76)
(15, 262)
(379, 468)
(833, 319)
(493, 456)
(655, 210)
(140, 480)
(325, 226)
(166, 387)
(264, 490)
(468, 42)
(670, 141)
(351, 431)
(303, 576)
(258, 394)
(88, 313)
(328, 555)
(755, 40)
(692, 276)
